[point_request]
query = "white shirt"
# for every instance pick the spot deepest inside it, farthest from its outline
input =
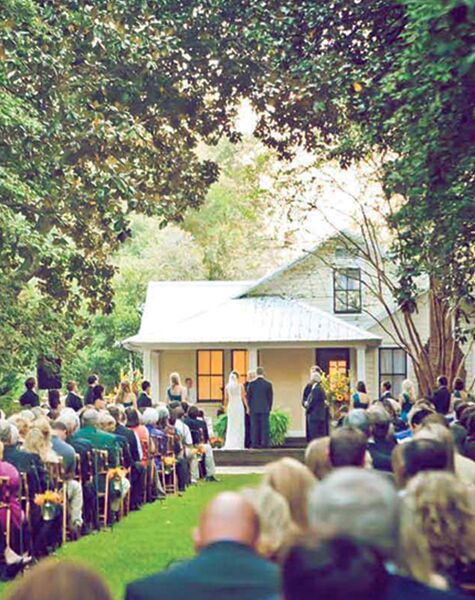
(184, 431)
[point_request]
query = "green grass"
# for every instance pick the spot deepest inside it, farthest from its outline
(148, 540)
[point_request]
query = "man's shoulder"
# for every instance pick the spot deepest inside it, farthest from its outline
(409, 589)
(158, 585)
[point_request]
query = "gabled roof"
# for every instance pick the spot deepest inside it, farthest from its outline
(267, 319)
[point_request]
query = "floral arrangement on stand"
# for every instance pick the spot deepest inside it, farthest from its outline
(216, 442)
(337, 391)
(168, 463)
(50, 503)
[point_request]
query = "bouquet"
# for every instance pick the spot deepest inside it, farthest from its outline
(216, 442)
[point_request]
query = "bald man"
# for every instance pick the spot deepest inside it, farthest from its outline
(227, 566)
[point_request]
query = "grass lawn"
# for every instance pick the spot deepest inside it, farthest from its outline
(148, 540)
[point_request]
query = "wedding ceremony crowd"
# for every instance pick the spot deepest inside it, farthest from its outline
(381, 508)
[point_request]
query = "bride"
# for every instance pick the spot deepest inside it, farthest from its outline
(236, 406)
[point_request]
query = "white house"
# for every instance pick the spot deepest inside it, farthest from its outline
(314, 310)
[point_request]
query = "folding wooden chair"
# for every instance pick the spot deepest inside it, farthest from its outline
(100, 460)
(57, 483)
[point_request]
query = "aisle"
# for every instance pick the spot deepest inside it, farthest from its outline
(150, 539)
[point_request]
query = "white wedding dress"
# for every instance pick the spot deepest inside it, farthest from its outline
(235, 431)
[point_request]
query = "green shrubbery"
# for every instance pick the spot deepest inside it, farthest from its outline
(279, 423)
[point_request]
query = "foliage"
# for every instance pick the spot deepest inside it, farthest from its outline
(279, 422)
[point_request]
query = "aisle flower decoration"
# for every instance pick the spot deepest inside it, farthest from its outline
(168, 463)
(199, 450)
(49, 502)
(216, 442)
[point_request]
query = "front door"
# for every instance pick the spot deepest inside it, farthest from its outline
(333, 360)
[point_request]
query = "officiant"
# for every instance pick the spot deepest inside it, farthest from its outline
(314, 402)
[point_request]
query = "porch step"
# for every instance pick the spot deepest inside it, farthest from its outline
(295, 442)
(251, 457)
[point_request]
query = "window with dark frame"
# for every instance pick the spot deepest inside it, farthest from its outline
(210, 375)
(347, 290)
(393, 368)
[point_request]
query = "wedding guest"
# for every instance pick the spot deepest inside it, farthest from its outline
(227, 565)
(469, 444)
(10, 496)
(73, 400)
(251, 376)
(133, 423)
(407, 398)
(199, 433)
(347, 447)
(190, 391)
(459, 392)
(100, 440)
(316, 457)
(360, 398)
(30, 398)
(381, 443)
(126, 396)
(445, 516)
(335, 569)
(54, 403)
(364, 505)
(358, 418)
(92, 381)
(175, 391)
(314, 403)
(98, 397)
(145, 399)
(23, 461)
(276, 526)
(418, 455)
(441, 397)
(293, 481)
(59, 579)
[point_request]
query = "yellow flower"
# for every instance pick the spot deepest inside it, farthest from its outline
(357, 87)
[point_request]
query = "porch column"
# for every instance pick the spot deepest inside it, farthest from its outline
(252, 353)
(361, 363)
(155, 376)
(147, 358)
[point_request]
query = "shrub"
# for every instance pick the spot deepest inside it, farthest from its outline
(279, 422)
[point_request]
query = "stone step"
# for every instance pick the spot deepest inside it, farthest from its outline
(251, 457)
(295, 442)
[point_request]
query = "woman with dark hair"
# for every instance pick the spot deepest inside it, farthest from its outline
(54, 403)
(141, 432)
(339, 569)
(361, 398)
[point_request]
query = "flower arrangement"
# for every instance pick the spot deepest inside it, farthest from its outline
(216, 442)
(116, 472)
(49, 497)
(168, 463)
(199, 451)
(337, 390)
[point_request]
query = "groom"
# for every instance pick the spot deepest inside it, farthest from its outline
(259, 397)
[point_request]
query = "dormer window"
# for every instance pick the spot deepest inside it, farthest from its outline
(347, 291)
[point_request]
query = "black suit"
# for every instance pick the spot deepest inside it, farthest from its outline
(73, 401)
(315, 411)
(441, 400)
(198, 429)
(259, 397)
(222, 571)
(29, 399)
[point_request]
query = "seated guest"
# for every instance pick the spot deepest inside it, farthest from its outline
(141, 432)
(363, 505)
(186, 440)
(227, 565)
(347, 448)
(358, 418)
(107, 423)
(126, 396)
(441, 397)
(316, 457)
(30, 398)
(335, 569)
(73, 487)
(415, 419)
(444, 514)
(463, 467)
(176, 446)
(293, 481)
(11, 497)
(158, 437)
(54, 404)
(420, 455)
(92, 381)
(100, 440)
(23, 461)
(23, 425)
(381, 443)
(469, 445)
(276, 526)
(73, 400)
(199, 433)
(59, 579)
(98, 397)
(145, 398)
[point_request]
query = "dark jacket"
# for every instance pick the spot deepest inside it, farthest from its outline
(408, 589)
(144, 401)
(29, 399)
(73, 401)
(260, 396)
(314, 401)
(222, 571)
(130, 436)
(89, 396)
(199, 430)
(380, 452)
(441, 400)
(24, 462)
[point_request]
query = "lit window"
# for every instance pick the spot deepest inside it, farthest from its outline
(210, 375)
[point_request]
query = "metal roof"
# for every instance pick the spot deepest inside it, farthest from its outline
(187, 313)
